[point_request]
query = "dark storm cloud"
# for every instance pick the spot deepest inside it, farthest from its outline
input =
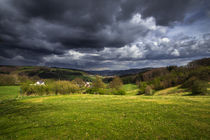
(83, 34)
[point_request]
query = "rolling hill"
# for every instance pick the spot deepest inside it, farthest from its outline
(40, 72)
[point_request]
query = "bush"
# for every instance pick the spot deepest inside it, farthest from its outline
(116, 83)
(148, 90)
(189, 83)
(100, 91)
(64, 87)
(200, 87)
(118, 92)
(28, 89)
(98, 83)
(79, 82)
(58, 87)
(142, 87)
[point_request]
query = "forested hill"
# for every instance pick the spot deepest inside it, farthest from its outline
(118, 72)
(40, 72)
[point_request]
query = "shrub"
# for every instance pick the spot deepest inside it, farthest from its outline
(148, 90)
(189, 83)
(98, 83)
(118, 92)
(28, 89)
(100, 91)
(200, 87)
(64, 87)
(142, 87)
(58, 87)
(91, 91)
(79, 82)
(116, 83)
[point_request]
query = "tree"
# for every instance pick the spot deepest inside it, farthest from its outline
(116, 83)
(79, 82)
(142, 87)
(200, 87)
(98, 83)
(148, 90)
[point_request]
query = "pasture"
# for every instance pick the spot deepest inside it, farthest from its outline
(108, 117)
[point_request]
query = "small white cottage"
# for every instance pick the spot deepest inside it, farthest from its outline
(87, 84)
(40, 82)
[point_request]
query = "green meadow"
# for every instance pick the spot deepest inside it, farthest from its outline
(83, 116)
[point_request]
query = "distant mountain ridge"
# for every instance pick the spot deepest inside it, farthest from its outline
(118, 72)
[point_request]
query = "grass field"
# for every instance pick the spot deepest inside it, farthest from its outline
(103, 117)
(9, 92)
(130, 89)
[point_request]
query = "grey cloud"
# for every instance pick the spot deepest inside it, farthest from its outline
(102, 33)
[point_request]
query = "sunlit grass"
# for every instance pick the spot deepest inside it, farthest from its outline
(105, 117)
(130, 89)
(177, 90)
(9, 92)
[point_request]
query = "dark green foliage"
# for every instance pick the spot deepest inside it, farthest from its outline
(189, 83)
(57, 74)
(127, 79)
(100, 91)
(202, 73)
(145, 89)
(170, 68)
(160, 78)
(157, 84)
(118, 92)
(200, 87)
(150, 75)
(181, 75)
(142, 87)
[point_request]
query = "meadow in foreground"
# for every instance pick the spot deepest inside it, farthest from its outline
(104, 117)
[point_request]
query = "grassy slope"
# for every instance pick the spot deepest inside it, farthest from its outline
(130, 89)
(8, 92)
(173, 91)
(105, 117)
(177, 90)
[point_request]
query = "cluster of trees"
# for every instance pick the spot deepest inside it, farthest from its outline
(113, 88)
(75, 86)
(55, 87)
(194, 77)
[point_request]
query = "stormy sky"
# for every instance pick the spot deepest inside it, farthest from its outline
(103, 34)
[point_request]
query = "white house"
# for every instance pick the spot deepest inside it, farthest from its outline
(40, 82)
(87, 84)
